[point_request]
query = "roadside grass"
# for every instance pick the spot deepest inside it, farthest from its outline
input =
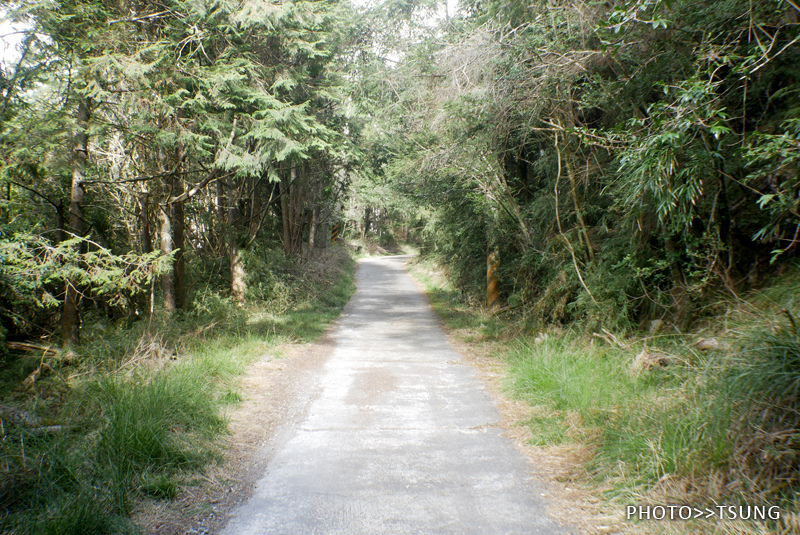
(137, 412)
(666, 422)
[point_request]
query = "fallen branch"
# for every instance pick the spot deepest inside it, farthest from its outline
(611, 339)
(35, 374)
(22, 346)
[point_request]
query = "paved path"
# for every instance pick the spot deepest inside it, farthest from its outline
(401, 437)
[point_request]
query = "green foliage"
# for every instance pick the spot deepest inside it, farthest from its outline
(272, 278)
(626, 161)
(34, 273)
(237, 94)
(775, 158)
(31, 264)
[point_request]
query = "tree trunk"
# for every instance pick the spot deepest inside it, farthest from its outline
(285, 186)
(144, 221)
(294, 195)
(238, 285)
(238, 274)
(492, 284)
(583, 234)
(70, 317)
(299, 196)
(323, 235)
(312, 234)
(221, 215)
(60, 222)
(291, 213)
(367, 212)
(167, 281)
(145, 300)
(176, 207)
(254, 219)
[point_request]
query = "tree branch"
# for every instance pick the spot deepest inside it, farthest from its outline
(143, 17)
(213, 175)
(26, 188)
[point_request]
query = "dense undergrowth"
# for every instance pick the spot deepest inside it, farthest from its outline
(706, 418)
(137, 411)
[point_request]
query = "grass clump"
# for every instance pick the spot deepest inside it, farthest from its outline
(151, 430)
(123, 439)
(765, 385)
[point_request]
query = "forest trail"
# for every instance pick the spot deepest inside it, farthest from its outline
(400, 437)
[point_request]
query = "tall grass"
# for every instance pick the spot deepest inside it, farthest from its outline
(150, 430)
(628, 418)
(765, 379)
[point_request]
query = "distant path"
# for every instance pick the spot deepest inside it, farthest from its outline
(401, 439)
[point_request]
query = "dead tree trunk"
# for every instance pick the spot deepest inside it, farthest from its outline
(167, 281)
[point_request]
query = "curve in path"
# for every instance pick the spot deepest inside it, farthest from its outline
(401, 439)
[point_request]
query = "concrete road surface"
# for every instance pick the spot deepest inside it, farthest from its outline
(401, 437)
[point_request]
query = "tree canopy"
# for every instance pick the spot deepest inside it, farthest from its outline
(623, 160)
